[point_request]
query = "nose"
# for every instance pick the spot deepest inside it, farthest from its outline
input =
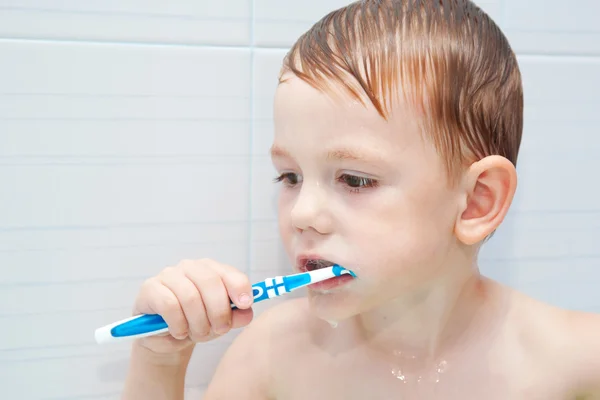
(310, 211)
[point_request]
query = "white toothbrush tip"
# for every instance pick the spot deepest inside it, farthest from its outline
(103, 335)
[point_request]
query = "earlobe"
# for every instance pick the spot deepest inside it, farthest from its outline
(490, 185)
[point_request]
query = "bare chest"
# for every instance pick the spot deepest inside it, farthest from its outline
(360, 378)
(329, 385)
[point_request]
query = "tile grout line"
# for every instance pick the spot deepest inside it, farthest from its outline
(251, 133)
(252, 47)
(92, 42)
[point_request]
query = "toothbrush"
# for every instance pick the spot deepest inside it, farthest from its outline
(153, 324)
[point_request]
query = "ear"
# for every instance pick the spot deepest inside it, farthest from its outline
(490, 185)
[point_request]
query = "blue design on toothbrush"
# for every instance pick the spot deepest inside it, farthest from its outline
(145, 324)
(152, 324)
(274, 287)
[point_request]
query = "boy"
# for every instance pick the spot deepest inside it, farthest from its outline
(397, 129)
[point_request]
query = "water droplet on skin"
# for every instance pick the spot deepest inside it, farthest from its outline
(333, 324)
(441, 368)
(431, 376)
(397, 372)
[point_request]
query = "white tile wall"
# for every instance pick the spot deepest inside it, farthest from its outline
(553, 27)
(279, 23)
(547, 247)
(176, 21)
(134, 134)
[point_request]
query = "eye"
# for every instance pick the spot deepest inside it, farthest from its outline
(288, 178)
(355, 183)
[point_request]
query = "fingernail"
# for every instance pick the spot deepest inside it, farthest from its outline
(244, 299)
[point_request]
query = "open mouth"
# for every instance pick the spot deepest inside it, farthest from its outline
(313, 264)
(339, 279)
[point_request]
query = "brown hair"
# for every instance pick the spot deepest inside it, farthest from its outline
(446, 56)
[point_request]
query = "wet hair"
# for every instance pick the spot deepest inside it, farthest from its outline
(446, 58)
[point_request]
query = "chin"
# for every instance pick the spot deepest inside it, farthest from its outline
(332, 306)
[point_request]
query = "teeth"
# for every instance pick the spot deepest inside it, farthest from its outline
(318, 264)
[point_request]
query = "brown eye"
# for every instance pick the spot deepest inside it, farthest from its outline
(288, 178)
(357, 181)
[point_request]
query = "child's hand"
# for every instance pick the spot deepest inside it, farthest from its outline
(194, 300)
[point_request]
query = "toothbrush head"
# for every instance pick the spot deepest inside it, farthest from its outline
(317, 264)
(338, 271)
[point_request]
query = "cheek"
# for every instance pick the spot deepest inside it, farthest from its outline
(284, 205)
(409, 234)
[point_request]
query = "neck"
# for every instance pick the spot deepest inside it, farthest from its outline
(426, 323)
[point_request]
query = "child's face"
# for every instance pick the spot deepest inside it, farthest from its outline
(368, 194)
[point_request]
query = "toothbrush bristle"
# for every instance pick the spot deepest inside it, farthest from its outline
(313, 264)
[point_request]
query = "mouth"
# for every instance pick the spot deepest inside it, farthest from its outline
(312, 263)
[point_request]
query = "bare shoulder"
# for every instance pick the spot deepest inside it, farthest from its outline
(247, 361)
(581, 340)
(565, 344)
(288, 315)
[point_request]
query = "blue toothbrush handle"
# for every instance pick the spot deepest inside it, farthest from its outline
(139, 325)
(153, 324)
(131, 328)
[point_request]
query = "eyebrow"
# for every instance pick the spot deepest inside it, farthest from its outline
(333, 155)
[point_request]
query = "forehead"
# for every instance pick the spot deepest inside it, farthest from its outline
(296, 98)
(302, 112)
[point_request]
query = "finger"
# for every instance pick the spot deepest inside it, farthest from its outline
(165, 303)
(241, 318)
(165, 344)
(237, 285)
(215, 297)
(190, 301)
